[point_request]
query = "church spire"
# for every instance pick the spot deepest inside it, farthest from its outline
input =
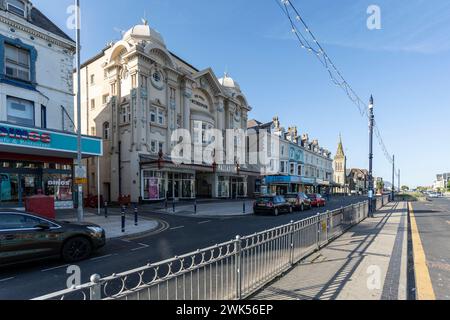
(340, 150)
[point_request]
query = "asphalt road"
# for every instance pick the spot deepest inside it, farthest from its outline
(181, 235)
(433, 223)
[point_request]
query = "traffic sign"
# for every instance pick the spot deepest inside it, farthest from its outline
(80, 180)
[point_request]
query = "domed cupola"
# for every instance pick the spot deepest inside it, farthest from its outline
(143, 32)
(229, 83)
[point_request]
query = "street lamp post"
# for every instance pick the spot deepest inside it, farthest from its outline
(393, 178)
(371, 186)
(80, 212)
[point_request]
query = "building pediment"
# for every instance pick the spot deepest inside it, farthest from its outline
(207, 80)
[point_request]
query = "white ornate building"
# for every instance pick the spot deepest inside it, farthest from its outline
(135, 94)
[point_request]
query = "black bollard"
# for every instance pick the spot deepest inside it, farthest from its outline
(123, 219)
(106, 209)
(195, 206)
(244, 208)
(173, 205)
(135, 215)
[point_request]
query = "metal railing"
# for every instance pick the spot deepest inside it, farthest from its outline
(232, 270)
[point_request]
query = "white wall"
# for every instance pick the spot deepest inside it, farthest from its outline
(54, 66)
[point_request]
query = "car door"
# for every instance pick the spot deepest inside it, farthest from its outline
(284, 206)
(21, 240)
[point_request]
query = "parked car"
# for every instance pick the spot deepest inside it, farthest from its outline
(272, 204)
(26, 237)
(317, 200)
(299, 201)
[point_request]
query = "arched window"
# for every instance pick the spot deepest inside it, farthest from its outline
(106, 131)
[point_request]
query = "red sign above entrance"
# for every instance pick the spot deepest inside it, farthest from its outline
(24, 135)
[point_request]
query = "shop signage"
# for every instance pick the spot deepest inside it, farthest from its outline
(17, 136)
(59, 183)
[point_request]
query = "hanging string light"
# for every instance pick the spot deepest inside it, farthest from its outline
(335, 75)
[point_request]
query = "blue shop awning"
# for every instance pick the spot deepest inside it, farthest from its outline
(289, 180)
(28, 140)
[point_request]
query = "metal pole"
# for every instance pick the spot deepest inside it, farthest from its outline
(123, 219)
(399, 185)
(80, 212)
(135, 215)
(393, 177)
(371, 184)
(98, 186)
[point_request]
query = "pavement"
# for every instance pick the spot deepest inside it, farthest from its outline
(113, 222)
(369, 262)
(430, 227)
(177, 235)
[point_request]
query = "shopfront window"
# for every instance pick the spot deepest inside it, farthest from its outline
(59, 186)
(181, 185)
(224, 187)
(20, 180)
(154, 185)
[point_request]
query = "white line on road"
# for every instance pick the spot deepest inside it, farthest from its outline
(6, 279)
(102, 257)
(203, 222)
(55, 268)
(142, 246)
(176, 228)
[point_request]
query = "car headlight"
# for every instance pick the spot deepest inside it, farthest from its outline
(96, 230)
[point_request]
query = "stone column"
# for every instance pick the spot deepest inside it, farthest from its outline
(187, 95)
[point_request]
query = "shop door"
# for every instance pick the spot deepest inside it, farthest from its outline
(10, 194)
(176, 188)
(30, 185)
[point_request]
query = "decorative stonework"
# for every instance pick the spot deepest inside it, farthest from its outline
(187, 93)
(157, 79)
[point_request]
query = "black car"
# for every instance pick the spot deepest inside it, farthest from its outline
(272, 204)
(299, 201)
(26, 237)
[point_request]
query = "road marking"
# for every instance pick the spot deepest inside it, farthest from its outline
(176, 228)
(203, 222)
(142, 246)
(55, 268)
(424, 287)
(6, 279)
(102, 257)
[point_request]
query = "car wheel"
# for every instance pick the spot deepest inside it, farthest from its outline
(276, 212)
(76, 249)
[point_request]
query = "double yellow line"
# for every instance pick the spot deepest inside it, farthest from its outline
(424, 287)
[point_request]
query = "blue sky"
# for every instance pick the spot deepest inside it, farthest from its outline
(405, 65)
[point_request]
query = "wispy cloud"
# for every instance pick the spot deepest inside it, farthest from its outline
(415, 27)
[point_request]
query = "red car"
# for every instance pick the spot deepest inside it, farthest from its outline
(317, 200)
